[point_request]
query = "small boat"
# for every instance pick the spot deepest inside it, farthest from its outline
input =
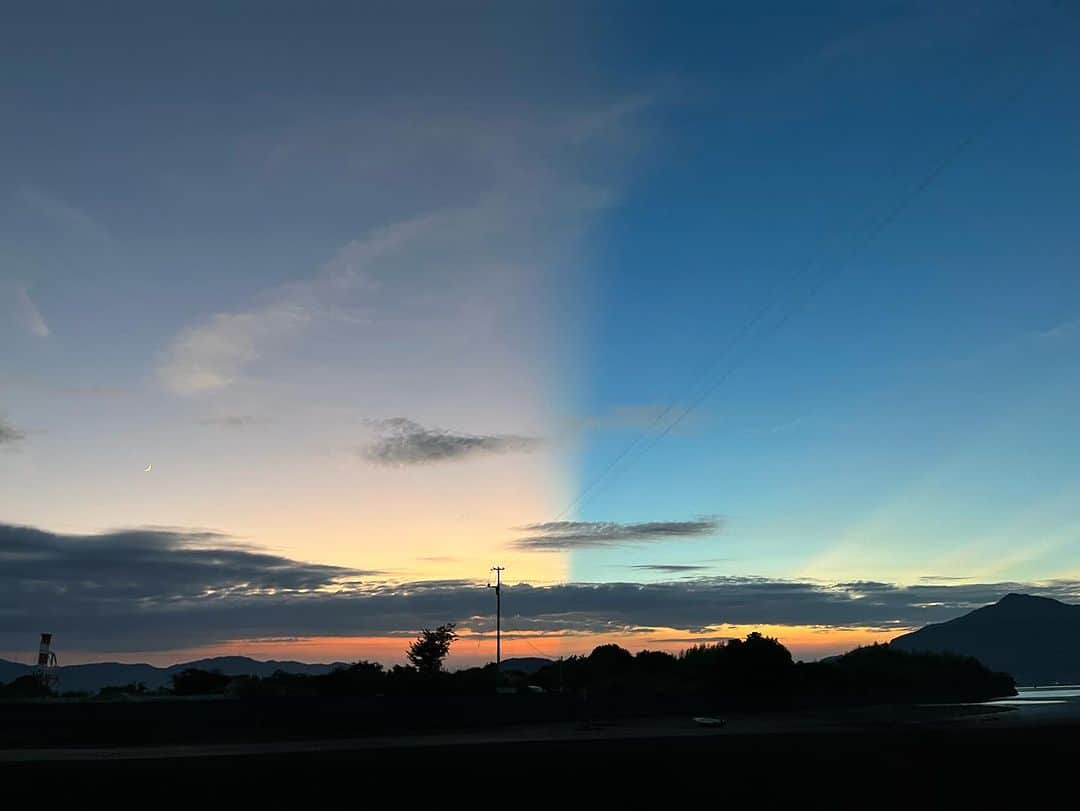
(709, 722)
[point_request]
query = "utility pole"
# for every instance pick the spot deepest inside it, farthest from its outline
(498, 621)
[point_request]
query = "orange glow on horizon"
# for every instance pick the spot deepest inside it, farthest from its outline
(806, 643)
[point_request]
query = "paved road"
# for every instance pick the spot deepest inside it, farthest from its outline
(623, 732)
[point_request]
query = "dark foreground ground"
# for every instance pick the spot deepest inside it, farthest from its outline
(1026, 745)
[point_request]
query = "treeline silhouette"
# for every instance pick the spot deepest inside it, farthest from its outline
(757, 671)
(609, 684)
(25, 687)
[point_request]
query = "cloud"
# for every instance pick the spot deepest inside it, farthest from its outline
(231, 421)
(564, 535)
(67, 218)
(1063, 329)
(8, 434)
(918, 28)
(212, 355)
(156, 564)
(30, 313)
(161, 589)
(404, 442)
(669, 568)
(464, 266)
(17, 305)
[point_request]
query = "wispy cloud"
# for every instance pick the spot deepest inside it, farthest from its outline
(404, 442)
(18, 305)
(30, 313)
(8, 434)
(65, 216)
(211, 356)
(565, 535)
(1063, 329)
(452, 268)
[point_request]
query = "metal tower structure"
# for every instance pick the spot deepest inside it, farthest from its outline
(46, 668)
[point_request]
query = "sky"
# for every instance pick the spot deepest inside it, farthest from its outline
(731, 319)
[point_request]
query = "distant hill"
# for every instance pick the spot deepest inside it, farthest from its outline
(92, 677)
(1035, 639)
(525, 664)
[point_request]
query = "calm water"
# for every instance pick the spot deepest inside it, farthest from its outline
(1057, 694)
(1057, 701)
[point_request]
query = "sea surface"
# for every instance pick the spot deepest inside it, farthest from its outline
(1054, 702)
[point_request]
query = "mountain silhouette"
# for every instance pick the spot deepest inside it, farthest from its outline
(1035, 639)
(92, 677)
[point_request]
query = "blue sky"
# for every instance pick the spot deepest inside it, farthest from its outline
(769, 293)
(942, 342)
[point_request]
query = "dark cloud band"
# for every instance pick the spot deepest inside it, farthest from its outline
(152, 565)
(669, 568)
(404, 442)
(166, 589)
(566, 535)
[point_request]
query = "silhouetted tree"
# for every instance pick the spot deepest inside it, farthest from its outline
(757, 664)
(430, 648)
(566, 675)
(611, 658)
(28, 686)
(405, 680)
(655, 662)
(121, 691)
(195, 682)
(657, 673)
(881, 672)
(360, 679)
(611, 670)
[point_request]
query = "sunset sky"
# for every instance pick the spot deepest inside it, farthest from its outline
(740, 318)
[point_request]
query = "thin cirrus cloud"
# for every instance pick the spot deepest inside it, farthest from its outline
(18, 305)
(211, 356)
(162, 589)
(402, 442)
(561, 536)
(66, 218)
(31, 315)
(452, 268)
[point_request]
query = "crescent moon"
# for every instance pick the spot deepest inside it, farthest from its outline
(148, 468)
